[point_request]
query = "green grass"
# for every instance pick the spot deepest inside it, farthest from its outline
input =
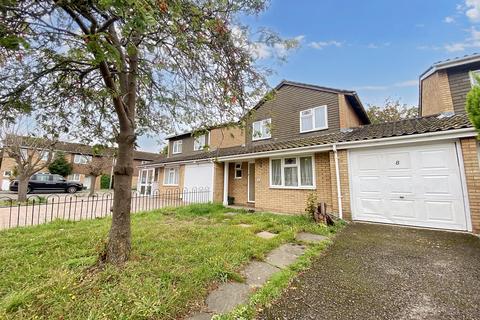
(178, 255)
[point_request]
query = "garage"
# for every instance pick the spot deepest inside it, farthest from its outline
(412, 185)
(199, 176)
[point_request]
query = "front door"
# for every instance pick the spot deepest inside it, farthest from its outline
(146, 181)
(251, 182)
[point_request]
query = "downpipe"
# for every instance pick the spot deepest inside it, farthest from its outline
(337, 174)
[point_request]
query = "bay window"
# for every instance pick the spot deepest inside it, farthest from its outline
(313, 119)
(292, 172)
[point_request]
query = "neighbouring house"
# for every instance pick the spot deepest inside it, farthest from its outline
(79, 155)
(311, 139)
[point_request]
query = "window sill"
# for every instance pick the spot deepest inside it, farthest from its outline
(294, 188)
(170, 185)
(313, 130)
(260, 139)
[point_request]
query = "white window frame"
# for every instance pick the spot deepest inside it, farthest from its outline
(198, 145)
(297, 165)
(312, 110)
(264, 125)
(45, 154)
(75, 177)
(238, 168)
(166, 172)
(7, 173)
(24, 153)
(81, 159)
(177, 146)
(472, 79)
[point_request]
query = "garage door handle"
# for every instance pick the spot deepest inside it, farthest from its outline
(402, 197)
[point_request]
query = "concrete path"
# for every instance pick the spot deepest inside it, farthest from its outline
(386, 272)
(229, 295)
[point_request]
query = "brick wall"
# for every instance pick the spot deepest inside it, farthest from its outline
(226, 137)
(472, 174)
(436, 95)
(218, 182)
(291, 200)
(238, 188)
(344, 183)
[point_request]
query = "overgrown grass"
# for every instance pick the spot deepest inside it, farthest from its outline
(178, 255)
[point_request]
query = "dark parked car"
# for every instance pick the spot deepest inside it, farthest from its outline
(49, 182)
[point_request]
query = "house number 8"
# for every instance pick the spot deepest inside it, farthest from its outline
(397, 162)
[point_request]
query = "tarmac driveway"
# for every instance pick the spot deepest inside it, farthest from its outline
(386, 272)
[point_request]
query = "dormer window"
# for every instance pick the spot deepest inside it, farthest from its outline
(177, 147)
(261, 129)
(313, 119)
(199, 143)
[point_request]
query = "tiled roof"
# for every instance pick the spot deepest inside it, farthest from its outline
(434, 123)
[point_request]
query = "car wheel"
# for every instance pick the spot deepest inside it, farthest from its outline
(71, 189)
(29, 190)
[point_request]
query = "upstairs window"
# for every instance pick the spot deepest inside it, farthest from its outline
(261, 129)
(81, 159)
(177, 147)
(313, 119)
(171, 177)
(45, 154)
(199, 143)
(292, 172)
(473, 80)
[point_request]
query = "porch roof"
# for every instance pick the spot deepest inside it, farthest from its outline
(428, 124)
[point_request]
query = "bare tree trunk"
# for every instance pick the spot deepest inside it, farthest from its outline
(22, 187)
(119, 240)
(93, 183)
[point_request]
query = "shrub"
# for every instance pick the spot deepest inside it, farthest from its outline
(311, 204)
(105, 181)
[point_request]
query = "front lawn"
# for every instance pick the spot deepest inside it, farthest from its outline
(178, 255)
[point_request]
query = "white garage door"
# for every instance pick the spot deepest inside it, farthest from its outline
(417, 186)
(198, 182)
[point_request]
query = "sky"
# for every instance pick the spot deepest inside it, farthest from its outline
(375, 47)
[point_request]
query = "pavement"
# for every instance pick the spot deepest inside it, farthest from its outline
(387, 272)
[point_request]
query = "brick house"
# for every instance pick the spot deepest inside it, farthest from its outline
(310, 139)
(78, 155)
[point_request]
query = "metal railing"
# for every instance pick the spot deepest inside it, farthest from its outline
(40, 209)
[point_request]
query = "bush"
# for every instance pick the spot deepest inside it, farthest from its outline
(311, 204)
(60, 165)
(105, 181)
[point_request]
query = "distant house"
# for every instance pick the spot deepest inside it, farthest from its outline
(312, 139)
(78, 155)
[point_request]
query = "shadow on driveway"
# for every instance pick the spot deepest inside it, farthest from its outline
(387, 272)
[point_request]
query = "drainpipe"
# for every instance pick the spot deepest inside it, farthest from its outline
(337, 174)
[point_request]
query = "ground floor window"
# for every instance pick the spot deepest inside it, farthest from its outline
(171, 177)
(292, 172)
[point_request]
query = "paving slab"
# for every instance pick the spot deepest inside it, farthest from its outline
(266, 235)
(200, 316)
(284, 255)
(226, 297)
(310, 237)
(244, 225)
(257, 273)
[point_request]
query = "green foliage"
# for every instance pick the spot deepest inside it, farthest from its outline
(177, 258)
(311, 204)
(473, 104)
(60, 165)
(393, 110)
(105, 181)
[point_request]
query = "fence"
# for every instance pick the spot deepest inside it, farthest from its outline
(38, 210)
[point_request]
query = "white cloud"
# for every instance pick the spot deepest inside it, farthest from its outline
(378, 45)
(473, 10)
(260, 50)
(449, 20)
(471, 42)
(323, 44)
(402, 84)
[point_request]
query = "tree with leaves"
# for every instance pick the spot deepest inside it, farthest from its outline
(31, 151)
(473, 103)
(121, 68)
(393, 110)
(60, 165)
